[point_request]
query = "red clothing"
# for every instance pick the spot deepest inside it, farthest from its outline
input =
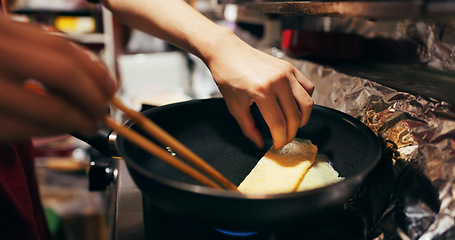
(21, 212)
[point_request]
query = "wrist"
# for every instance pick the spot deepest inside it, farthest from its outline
(215, 43)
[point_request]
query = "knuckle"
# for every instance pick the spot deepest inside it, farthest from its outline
(311, 88)
(282, 73)
(286, 66)
(310, 103)
(260, 91)
(259, 96)
(289, 66)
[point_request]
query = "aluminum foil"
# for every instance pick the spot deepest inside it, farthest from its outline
(419, 131)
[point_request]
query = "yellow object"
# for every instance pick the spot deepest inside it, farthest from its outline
(75, 24)
(320, 174)
(280, 171)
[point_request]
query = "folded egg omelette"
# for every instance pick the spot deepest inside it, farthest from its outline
(285, 170)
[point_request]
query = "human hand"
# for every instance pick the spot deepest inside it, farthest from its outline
(282, 93)
(76, 85)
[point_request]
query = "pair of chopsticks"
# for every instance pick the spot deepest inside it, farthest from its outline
(166, 139)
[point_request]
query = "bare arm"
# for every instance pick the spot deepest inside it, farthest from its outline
(243, 74)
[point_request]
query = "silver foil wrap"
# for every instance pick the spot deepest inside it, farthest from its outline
(421, 131)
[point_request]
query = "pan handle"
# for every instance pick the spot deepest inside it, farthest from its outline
(104, 142)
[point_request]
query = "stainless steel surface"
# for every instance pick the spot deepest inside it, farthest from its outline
(128, 219)
(363, 9)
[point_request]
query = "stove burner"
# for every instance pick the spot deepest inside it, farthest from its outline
(236, 233)
(339, 225)
(222, 234)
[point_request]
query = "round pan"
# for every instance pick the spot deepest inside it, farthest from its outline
(207, 128)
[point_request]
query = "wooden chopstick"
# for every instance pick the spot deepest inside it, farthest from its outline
(152, 148)
(166, 139)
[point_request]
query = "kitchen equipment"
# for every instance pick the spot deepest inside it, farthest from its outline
(207, 128)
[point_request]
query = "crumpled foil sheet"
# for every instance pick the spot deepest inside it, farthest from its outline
(419, 131)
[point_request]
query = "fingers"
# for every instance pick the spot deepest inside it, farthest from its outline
(304, 81)
(63, 70)
(283, 102)
(69, 81)
(28, 113)
(272, 113)
(282, 93)
(44, 43)
(77, 85)
(302, 96)
(246, 123)
(239, 108)
(284, 117)
(17, 128)
(287, 107)
(97, 70)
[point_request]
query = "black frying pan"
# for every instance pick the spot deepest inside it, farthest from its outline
(207, 128)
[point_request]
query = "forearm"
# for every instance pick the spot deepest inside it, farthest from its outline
(173, 21)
